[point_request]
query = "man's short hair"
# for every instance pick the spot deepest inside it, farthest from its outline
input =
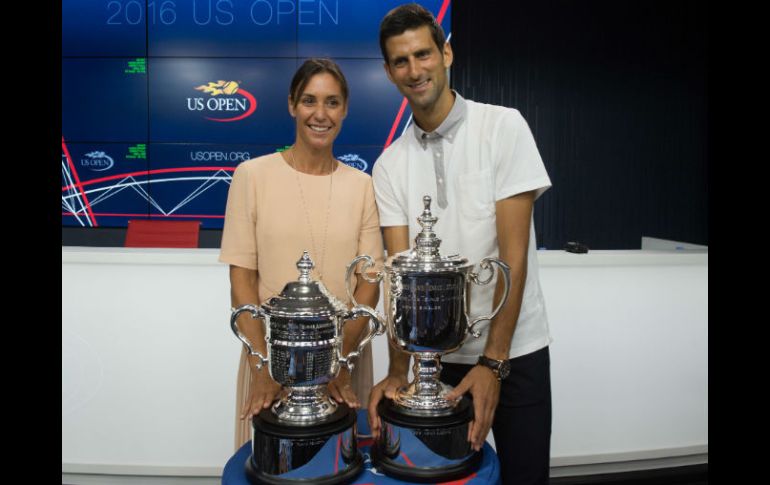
(409, 17)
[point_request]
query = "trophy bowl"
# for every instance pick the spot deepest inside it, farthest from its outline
(427, 304)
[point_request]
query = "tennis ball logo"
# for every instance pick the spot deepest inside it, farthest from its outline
(219, 87)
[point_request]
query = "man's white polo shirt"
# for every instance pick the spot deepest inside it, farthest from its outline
(480, 154)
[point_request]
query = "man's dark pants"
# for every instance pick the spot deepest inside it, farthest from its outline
(522, 424)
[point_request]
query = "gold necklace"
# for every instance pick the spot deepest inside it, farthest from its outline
(307, 214)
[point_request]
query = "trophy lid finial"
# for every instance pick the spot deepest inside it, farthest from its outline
(426, 241)
(304, 297)
(425, 255)
(427, 219)
(305, 265)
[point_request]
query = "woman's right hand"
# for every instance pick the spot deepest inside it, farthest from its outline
(263, 390)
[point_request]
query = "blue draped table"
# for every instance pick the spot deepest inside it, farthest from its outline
(488, 473)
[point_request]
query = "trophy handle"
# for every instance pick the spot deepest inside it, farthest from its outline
(256, 312)
(485, 264)
(376, 327)
(352, 267)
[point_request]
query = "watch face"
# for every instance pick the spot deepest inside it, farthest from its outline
(505, 369)
(501, 368)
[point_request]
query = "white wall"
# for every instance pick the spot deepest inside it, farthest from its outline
(149, 362)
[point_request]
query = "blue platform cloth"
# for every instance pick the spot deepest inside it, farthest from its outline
(488, 473)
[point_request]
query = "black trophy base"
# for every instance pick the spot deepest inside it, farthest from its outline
(433, 448)
(279, 449)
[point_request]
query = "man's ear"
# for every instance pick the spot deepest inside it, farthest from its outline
(386, 66)
(448, 55)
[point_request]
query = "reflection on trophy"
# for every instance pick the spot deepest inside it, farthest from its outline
(427, 303)
(303, 330)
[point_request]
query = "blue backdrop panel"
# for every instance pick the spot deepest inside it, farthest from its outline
(103, 28)
(224, 28)
(374, 103)
(112, 184)
(488, 473)
(191, 181)
(101, 101)
(256, 113)
(361, 157)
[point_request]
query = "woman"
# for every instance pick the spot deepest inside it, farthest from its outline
(300, 199)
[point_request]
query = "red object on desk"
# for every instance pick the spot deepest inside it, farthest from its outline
(147, 233)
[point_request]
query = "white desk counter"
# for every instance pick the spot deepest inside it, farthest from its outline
(149, 362)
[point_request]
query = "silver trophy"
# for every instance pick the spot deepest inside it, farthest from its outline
(303, 331)
(427, 314)
(427, 305)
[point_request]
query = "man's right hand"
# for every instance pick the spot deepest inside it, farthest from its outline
(387, 388)
(263, 390)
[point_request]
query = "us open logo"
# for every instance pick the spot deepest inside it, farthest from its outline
(226, 98)
(355, 161)
(97, 161)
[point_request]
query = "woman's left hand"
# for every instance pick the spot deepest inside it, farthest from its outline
(341, 390)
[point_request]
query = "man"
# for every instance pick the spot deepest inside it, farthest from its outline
(480, 165)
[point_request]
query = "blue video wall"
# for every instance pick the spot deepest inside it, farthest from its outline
(161, 100)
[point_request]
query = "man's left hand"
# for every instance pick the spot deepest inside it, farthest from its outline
(483, 385)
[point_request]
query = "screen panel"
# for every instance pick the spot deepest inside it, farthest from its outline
(104, 184)
(162, 100)
(103, 28)
(190, 181)
(220, 100)
(223, 28)
(374, 103)
(104, 100)
(361, 157)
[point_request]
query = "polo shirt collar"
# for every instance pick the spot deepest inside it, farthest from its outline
(448, 128)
